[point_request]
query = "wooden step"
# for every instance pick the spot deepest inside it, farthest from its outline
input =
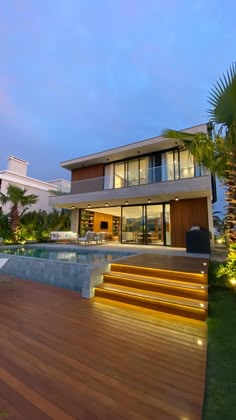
(190, 308)
(154, 295)
(169, 286)
(200, 277)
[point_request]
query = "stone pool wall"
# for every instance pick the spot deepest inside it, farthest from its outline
(80, 277)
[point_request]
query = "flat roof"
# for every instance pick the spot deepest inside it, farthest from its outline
(129, 150)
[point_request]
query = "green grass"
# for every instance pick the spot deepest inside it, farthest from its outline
(220, 395)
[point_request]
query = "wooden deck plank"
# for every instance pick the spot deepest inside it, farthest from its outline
(167, 262)
(74, 358)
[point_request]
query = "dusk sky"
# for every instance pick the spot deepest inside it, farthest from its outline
(82, 76)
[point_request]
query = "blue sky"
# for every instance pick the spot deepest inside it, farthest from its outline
(81, 76)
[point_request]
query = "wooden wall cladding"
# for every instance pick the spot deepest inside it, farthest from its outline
(92, 177)
(100, 217)
(88, 172)
(183, 215)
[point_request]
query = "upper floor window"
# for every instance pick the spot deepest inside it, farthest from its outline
(158, 167)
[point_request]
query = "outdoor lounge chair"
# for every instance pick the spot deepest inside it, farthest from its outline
(88, 239)
(101, 238)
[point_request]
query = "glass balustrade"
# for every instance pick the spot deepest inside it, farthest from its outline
(164, 173)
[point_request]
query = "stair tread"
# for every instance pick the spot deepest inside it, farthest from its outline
(202, 266)
(157, 280)
(130, 291)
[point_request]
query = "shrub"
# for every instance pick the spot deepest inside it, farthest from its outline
(227, 271)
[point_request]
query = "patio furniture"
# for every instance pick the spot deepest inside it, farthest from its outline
(101, 238)
(88, 239)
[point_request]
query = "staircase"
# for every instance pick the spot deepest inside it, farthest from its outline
(174, 292)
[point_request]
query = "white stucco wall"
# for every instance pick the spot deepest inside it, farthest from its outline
(34, 186)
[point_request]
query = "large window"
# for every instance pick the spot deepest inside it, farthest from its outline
(158, 167)
(146, 224)
(133, 172)
(186, 164)
(119, 175)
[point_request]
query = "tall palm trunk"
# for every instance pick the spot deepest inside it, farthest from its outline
(231, 195)
(14, 220)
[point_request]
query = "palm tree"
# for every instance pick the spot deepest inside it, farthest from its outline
(218, 154)
(19, 204)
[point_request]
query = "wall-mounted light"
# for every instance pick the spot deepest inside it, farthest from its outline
(176, 198)
(126, 203)
(106, 204)
(72, 207)
(149, 200)
(88, 206)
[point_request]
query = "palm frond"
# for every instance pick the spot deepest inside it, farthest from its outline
(222, 98)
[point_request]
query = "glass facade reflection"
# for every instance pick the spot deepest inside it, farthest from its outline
(146, 224)
(158, 167)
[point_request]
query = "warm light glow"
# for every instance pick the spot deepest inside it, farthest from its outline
(199, 342)
(106, 204)
(126, 203)
(233, 282)
(220, 240)
(176, 198)
(202, 272)
(149, 200)
(88, 206)
(202, 287)
(204, 263)
(202, 305)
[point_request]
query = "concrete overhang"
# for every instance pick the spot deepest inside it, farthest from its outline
(131, 150)
(158, 193)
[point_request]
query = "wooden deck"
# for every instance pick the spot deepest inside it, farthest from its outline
(64, 357)
(167, 262)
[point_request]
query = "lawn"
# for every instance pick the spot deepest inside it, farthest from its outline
(220, 396)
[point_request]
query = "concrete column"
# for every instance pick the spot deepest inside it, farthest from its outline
(75, 220)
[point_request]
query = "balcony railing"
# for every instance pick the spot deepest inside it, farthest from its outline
(153, 175)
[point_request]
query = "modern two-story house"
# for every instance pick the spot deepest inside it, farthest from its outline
(148, 192)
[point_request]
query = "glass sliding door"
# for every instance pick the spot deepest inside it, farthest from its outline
(154, 225)
(119, 175)
(148, 224)
(133, 172)
(167, 224)
(186, 164)
(132, 224)
(143, 170)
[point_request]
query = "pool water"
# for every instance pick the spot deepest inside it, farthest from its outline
(79, 256)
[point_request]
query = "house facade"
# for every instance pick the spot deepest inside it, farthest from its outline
(148, 192)
(16, 174)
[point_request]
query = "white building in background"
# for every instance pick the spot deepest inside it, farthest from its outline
(16, 174)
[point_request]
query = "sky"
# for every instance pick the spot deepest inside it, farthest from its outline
(82, 76)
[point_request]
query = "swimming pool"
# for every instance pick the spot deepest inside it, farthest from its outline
(70, 268)
(80, 256)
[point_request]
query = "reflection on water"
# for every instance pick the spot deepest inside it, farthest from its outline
(78, 256)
